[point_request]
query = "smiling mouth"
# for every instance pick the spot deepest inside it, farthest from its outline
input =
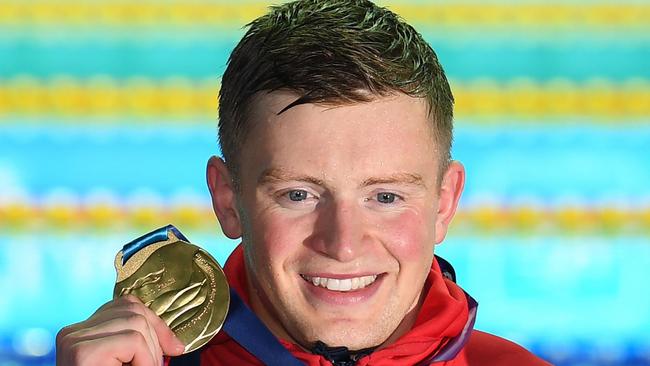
(343, 285)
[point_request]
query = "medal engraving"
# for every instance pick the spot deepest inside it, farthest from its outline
(181, 283)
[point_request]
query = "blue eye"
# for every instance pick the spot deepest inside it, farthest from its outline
(297, 195)
(386, 197)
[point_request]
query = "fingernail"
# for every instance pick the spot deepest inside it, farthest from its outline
(180, 346)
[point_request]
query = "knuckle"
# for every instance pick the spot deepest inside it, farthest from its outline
(135, 307)
(131, 299)
(76, 354)
(138, 321)
(136, 337)
(62, 334)
(65, 337)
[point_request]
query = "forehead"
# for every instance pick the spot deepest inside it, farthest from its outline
(392, 133)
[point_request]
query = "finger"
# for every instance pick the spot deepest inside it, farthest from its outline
(115, 349)
(134, 304)
(98, 316)
(115, 312)
(116, 321)
(167, 340)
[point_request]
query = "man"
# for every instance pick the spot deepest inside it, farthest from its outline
(336, 128)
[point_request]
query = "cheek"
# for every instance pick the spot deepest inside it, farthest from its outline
(409, 236)
(276, 237)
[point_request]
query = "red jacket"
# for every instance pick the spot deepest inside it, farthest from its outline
(429, 334)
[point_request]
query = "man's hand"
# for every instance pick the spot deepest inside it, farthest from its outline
(122, 331)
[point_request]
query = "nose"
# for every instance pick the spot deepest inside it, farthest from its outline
(339, 231)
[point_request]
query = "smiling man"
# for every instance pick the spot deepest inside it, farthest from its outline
(336, 197)
(336, 128)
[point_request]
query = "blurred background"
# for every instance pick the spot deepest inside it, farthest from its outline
(108, 116)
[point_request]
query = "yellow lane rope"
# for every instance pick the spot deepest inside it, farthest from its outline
(178, 97)
(122, 13)
(563, 220)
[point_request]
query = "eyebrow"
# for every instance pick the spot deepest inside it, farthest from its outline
(275, 175)
(404, 178)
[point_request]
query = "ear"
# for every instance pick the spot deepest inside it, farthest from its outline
(224, 197)
(451, 188)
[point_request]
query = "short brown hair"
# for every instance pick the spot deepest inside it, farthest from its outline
(330, 52)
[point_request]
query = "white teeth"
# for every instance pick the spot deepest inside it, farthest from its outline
(333, 284)
(368, 280)
(344, 285)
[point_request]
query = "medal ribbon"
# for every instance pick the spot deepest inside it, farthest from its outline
(247, 329)
(155, 236)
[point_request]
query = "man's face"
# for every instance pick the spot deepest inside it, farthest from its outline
(339, 209)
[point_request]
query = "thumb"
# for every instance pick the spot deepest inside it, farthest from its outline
(169, 343)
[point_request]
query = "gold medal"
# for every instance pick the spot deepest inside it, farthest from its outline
(181, 283)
